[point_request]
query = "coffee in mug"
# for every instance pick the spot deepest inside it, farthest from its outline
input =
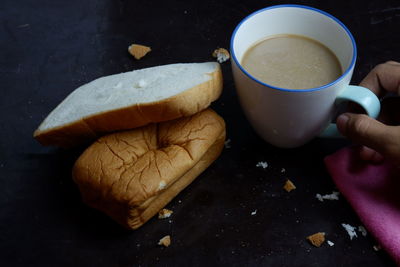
(291, 61)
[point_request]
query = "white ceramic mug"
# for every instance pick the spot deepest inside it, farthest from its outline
(290, 118)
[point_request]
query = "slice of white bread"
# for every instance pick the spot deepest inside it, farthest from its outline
(131, 175)
(129, 100)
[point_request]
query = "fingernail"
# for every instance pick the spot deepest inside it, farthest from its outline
(341, 122)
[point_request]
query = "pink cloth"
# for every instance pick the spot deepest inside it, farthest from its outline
(373, 191)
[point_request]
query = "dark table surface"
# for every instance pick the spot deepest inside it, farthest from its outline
(48, 48)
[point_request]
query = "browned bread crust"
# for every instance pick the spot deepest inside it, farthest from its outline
(131, 175)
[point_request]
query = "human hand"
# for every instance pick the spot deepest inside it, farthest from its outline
(379, 139)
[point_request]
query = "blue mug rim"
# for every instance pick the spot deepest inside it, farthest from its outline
(351, 65)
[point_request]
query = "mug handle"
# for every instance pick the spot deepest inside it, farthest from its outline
(360, 95)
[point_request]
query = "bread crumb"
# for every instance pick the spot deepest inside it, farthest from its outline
(138, 51)
(317, 239)
(164, 213)
(377, 247)
(165, 241)
(262, 164)
(254, 213)
(330, 243)
(283, 170)
(362, 230)
(350, 230)
(289, 186)
(221, 54)
(333, 196)
(23, 25)
(162, 185)
(227, 143)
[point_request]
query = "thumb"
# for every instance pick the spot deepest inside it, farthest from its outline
(369, 132)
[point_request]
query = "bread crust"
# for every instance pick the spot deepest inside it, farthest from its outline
(131, 175)
(187, 103)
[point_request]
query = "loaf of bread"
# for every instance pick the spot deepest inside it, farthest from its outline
(129, 100)
(131, 175)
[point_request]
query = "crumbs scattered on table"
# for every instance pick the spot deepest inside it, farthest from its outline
(164, 213)
(262, 164)
(165, 241)
(333, 196)
(351, 230)
(289, 186)
(138, 51)
(317, 239)
(228, 143)
(253, 212)
(221, 54)
(330, 243)
(362, 230)
(283, 170)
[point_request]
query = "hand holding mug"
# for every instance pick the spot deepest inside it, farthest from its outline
(379, 139)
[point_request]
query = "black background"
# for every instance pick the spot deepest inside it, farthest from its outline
(49, 48)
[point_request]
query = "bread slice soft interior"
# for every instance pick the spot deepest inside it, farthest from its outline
(129, 100)
(131, 175)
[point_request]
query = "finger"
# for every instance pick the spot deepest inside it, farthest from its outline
(393, 62)
(383, 78)
(371, 155)
(369, 132)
